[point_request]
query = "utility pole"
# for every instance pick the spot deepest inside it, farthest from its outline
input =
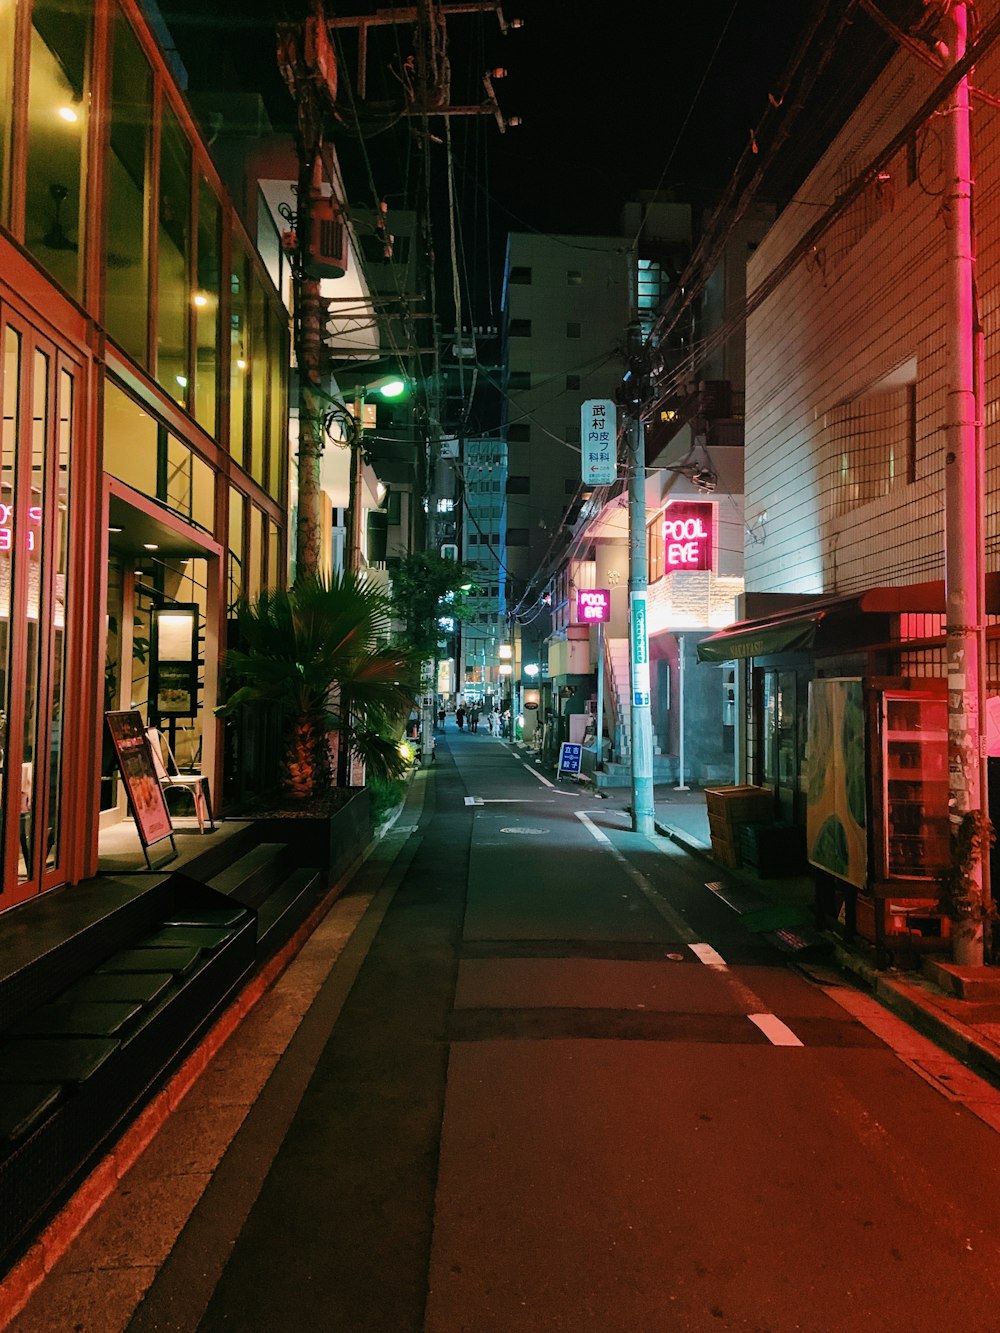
(308, 64)
(635, 395)
(963, 483)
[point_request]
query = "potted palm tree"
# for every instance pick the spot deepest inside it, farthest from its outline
(318, 652)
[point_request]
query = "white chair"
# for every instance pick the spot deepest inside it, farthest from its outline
(169, 775)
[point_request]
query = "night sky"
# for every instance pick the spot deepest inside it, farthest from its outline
(614, 98)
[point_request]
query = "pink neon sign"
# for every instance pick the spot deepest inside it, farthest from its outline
(593, 605)
(6, 529)
(687, 531)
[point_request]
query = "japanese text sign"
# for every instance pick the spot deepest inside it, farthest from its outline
(598, 442)
(639, 650)
(593, 605)
(570, 758)
(687, 532)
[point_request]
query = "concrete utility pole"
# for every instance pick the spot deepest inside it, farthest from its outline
(963, 480)
(308, 64)
(635, 395)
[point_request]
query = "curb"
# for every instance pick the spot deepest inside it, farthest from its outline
(906, 1001)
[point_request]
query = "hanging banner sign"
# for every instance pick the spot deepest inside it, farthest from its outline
(593, 605)
(687, 532)
(599, 442)
(640, 650)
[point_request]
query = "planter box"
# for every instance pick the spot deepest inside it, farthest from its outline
(329, 843)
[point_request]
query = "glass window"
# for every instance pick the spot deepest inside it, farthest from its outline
(32, 505)
(58, 110)
(239, 350)
(206, 308)
(130, 440)
(255, 572)
(8, 472)
(520, 328)
(173, 259)
(274, 579)
(278, 368)
(126, 247)
(258, 381)
(189, 488)
(520, 276)
(7, 12)
(237, 507)
(61, 553)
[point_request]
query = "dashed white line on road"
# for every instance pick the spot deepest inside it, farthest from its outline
(777, 1033)
(537, 775)
(708, 956)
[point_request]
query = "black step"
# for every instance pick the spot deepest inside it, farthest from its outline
(282, 900)
(252, 877)
(23, 1105)
(178, 961)
(72, 1018)
(53, 1059)
(119, 987)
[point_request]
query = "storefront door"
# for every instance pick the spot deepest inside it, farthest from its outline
(39, 702)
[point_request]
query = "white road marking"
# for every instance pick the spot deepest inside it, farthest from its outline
(473, 800)
(682, 929)
(709, 957)
(538, 775)
(777, 1033)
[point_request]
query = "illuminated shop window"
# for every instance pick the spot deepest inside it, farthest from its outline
(237, 509)
(205, 299)
(6, 104)
(126, 242)
(239, 364)
(173, 284)
(58, 112)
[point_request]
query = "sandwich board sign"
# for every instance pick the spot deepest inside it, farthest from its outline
(570, 758)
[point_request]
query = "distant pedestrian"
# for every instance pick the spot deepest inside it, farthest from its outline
(460, 716)
(494, 723)
(441, 719)
(474, 719)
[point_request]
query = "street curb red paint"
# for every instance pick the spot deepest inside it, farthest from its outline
(29, 1272)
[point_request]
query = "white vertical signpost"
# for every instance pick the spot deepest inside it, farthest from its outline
(598, 442)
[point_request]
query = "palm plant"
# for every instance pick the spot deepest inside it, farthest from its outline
(317, 651)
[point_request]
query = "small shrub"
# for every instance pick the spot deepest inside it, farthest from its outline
(386, 794)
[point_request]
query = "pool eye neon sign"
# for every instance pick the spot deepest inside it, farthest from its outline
(593, 605)
(7, 530)
(687, 530)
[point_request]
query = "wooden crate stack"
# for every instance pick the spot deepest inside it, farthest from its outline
(728, 808)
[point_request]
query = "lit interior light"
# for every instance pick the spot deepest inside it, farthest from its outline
(114, 529)
(151, 546)
(69, 114)
(200, 299)
(181, 380)
(240, 363)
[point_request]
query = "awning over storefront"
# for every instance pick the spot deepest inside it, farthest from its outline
(854, 619)
(747, 639)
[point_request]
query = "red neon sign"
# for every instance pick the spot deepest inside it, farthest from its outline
(687, 531)
(593, 605)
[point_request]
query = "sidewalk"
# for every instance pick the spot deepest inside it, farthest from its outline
(782, 909)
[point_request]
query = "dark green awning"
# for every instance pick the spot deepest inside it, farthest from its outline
(743, 640)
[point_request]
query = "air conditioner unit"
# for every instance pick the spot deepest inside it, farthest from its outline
(327, 255)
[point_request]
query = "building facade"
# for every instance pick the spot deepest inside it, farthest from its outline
(144, 354)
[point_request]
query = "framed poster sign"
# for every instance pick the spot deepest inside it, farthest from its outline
(173, 668)
(142, 786)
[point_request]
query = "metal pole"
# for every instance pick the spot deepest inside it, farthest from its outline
(681, 786)
(600, 695)
(963, 485)
(638, 580)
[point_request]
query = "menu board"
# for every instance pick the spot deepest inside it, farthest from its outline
(135, 763)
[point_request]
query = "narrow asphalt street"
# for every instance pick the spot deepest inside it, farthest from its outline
(550, 1083)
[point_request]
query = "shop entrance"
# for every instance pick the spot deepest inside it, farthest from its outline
(155, 563)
